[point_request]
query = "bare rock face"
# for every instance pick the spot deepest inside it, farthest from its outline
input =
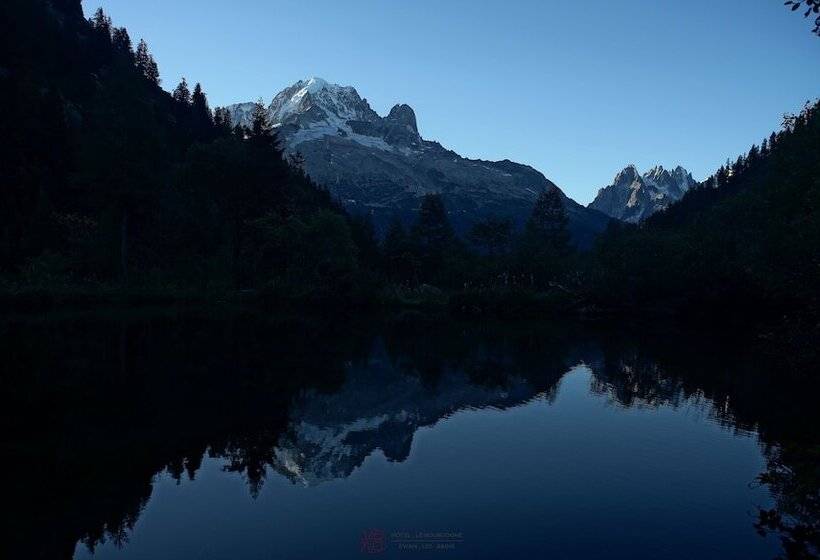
(400, 128)
(382, 166)
(633, 197)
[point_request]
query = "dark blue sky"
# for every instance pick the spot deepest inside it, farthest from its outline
(577, 89)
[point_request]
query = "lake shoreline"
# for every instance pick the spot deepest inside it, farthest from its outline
(555, 303)
(794, 335)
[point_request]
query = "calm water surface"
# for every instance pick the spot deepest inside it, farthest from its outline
(178, 437)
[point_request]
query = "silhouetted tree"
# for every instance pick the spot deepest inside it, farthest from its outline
(261, 129)
(492, 235)
(182, 94)
(812, 8)
(548, 223)
(146, 64)
(739, 165)
(433, 231)
(545, 243)
(721, 177)
(122, 43)
(201, 112)
(101, 22)
(753, 156)
(222, 121)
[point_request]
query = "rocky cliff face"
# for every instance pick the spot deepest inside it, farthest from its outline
(633, 197)
(382, 166)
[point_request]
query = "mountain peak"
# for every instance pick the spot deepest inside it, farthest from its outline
(627, 175)
(403, 114)
(314, 84)
(681, 174)
(320, 100)
(657, 175)
(632, 197)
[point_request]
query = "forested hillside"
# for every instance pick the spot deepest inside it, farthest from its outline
(108, 179)
(747, 239)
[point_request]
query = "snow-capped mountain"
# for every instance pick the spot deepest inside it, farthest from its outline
(633, 197)
(378, 408)
(382, 166)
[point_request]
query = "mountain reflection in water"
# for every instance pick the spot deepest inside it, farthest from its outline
(101, 409)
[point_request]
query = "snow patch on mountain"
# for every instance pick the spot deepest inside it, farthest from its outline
(316, 108)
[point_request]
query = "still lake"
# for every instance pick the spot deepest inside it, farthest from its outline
(198, 435)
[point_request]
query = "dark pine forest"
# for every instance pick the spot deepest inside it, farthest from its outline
(117, 190)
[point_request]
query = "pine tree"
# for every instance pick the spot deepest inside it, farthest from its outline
(493, 235)
(548, 223)
(141, 56)
(261, 131)
(738, 166)
(721, 177)
(182, 94)
(227, 122)
(218, 118)
(152, 71)
(753, 157)
(146, 63)
(395, 240)
(121, 42)
(101, 22)
(222, 121)
(201, 110)
(261, 128)
(545, 246)
(433, 229)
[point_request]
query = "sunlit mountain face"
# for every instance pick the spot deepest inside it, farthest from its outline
(381, 166)
(633, 197)
(393, 418)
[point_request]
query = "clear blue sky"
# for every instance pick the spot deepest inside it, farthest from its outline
(577, 89)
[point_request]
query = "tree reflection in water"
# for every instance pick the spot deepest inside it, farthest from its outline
(97, 405)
